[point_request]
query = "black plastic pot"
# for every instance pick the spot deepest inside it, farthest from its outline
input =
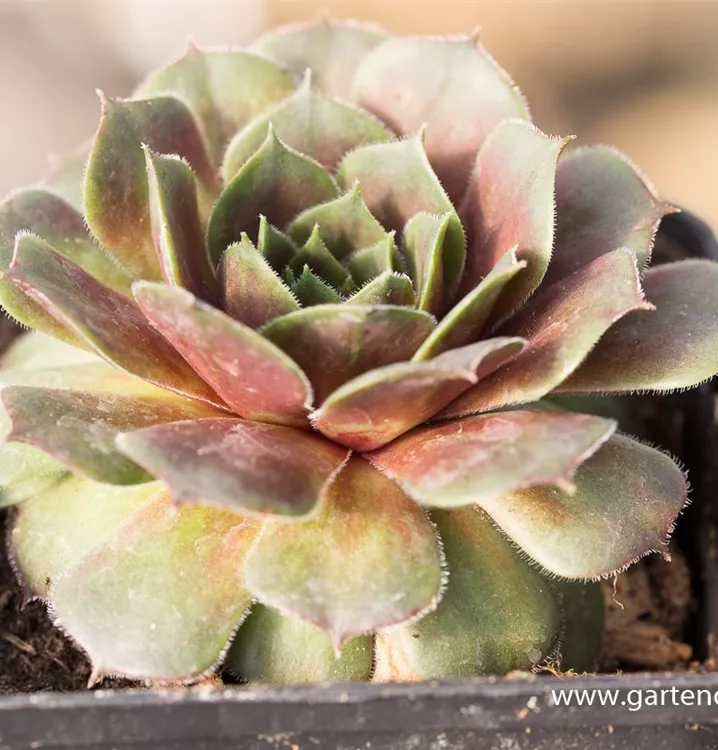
(640, 712)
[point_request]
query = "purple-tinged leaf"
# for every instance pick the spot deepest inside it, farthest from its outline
(276, 182)
(310, 290)
(255, 378)
(116, 188)
(627, 499)
(369, 262)
(274, 245)
(673, 346)
(110, 324)
(261, 469)
(126, 602)
(315, 254)
(478, 460)
(510, 203)
(423, 245)
(380, 405)
(389, 288)
(78, 428)
(335, 343)
(252, 293)
(177, 230)
(451, 84)
(602, 202)
(562, 322)
(369, 559)
(466, 320)
(496, 615)
(224, 90)
(332, 50)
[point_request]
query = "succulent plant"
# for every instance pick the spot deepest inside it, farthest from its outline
(300, 312)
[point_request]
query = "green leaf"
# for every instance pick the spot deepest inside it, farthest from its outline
(423, 244)
(278, 183)
(255, 378)
(519, 162)
(451, 84)
(67, 176)
(335, 343)
(583, 616)
(310, 290)
(270, 647)
(389, 573)
(374, 408)
(38, 351)
(126, 602)
(274, 245)
(261, 469)
(388, 288)
(315, 254)
(369, 262)
(673, 346)
(496, 615)
(478, 460)
(626, 502)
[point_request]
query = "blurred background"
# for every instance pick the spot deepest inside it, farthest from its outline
(641, 74)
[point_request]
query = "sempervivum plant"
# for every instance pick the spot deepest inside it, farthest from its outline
(298, 312)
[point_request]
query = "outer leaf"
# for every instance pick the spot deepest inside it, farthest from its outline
(116, 188)
(496, 615)
(333, 343)
(126, 602)
(346, 224)
(380, 405)
(58, 527)
(78, 428)
(285, 650)
(398, 182)
(389, 573)
(106, 321)
(310, 290)
(423, 241)
(249, 466)
(562, 323)
(177, 230)
(478, 460)
(627, 499)
(389, 288)
(674, 346)
(583, 612)
(451, 84)
(602, 202)
(510, 202)
(254, 377)
(311, 123)
(332, 50)
(464, 323)
(223, 89)
(276, 182)
(252, 293)
(367, 263)
(316, 255)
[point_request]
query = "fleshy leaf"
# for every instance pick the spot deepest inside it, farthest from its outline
(252, 293)
(223, 89)
(389, 288)
(254, 377)
(78, 428)
(380, 405)
(252, 467)
(107, 322)
(272, 648)
(562, 322)
(346, 224)
(126, 602)
(496, 615)
(274, 245)
(310, 123)
(315, 254)
(38, 351)
(276, 182)
(116, 189)
(673, 346)
(583, 617)
(423, 243)
(332, 50)
(21, 491)
(466, 320)
(389, 572)
(58, 527)
(602, 202)
(310, 290)
(627, 499)
(510, 202)
(478, 460)
(177, 229)
(335, 343)
(367, 263)
(451, 84)
(397, 182)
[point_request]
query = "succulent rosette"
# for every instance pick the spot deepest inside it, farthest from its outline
(297, 314)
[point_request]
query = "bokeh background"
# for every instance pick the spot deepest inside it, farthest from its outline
(641, 74)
